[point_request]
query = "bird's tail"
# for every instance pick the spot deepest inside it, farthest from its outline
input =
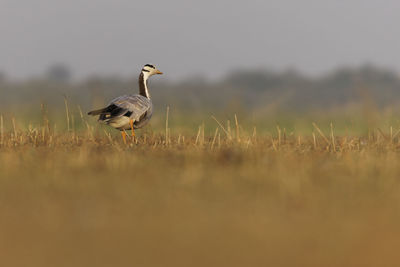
(97, 111)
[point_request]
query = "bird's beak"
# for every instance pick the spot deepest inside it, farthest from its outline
(158, 72)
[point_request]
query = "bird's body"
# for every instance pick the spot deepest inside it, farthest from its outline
(121, 110)
(130, 112)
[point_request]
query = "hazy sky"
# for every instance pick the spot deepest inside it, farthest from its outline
(184, 37)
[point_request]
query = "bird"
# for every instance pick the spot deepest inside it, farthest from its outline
(129, 112)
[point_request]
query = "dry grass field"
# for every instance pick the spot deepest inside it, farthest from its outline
(231, 198)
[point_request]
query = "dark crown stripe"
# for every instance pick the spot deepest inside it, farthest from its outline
(149, 65)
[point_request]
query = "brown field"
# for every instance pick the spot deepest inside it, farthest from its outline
(232, 198)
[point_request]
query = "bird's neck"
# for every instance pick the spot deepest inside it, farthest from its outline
(143, 90)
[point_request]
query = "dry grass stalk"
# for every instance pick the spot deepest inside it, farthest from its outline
(279, 134)
(248, 143)
(179, 139)
(333, 138)
(395, 135)
(14, 129)
(228, 127)
(167, 139)
(198, 135)
(237, 129)
(2, 130)
(215, 137)
(391, 134)
(45, 126)
(383, 135)
(202, 134)
(222, 127)
(274, 143)
(109, 137)
(321, 133)
(314, 140)
(73, 127)
(66, 112)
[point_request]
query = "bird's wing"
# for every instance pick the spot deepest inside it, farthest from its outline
(133, 106)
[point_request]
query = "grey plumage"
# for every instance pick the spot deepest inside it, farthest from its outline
(127, 109)
(122, 109)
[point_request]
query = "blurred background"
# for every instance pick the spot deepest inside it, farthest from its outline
(266, 61)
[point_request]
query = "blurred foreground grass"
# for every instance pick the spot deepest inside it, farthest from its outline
(231, 197)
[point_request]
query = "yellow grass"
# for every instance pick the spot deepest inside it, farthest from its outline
(83, 198)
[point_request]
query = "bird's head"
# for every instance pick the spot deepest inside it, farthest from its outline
(149, 70)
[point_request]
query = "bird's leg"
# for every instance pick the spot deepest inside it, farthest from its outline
(133, 131)
(123, 136)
